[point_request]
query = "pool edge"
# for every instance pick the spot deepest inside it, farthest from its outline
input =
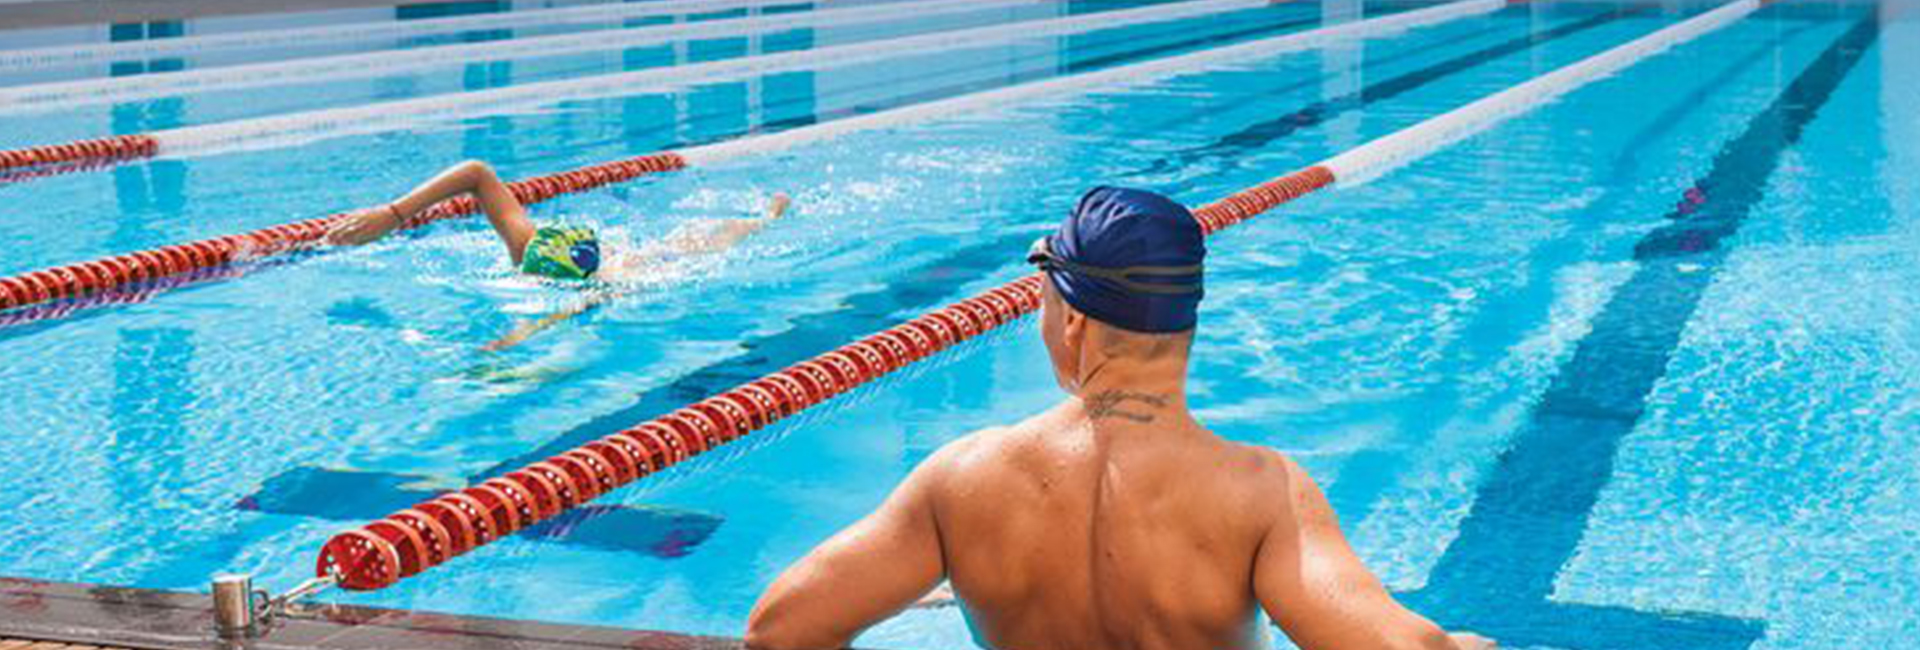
(147, 619)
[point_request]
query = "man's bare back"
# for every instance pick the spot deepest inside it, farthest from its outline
(1094, 530)
(1114, 520)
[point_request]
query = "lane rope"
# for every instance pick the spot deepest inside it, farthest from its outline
(83, 278)
(309, 126)
(40, 98)
(413, 540)
(66, 55)
(83, 153)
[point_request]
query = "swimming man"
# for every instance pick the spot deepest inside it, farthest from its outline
(1114, 520)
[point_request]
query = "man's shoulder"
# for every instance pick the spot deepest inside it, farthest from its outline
(983, 451)
(978, 446)
(1248, 458)
(1257, 468)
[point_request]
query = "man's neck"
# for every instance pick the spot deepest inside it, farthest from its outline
(1135, 395)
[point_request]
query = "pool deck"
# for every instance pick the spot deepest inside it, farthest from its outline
(55, 615)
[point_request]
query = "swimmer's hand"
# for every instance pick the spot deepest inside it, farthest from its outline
(1469, 641)
(778, 206)
(363, 226)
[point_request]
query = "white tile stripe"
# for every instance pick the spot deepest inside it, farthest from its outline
(361, 32)
(68, 94)
(284, 130)
(1368, 161)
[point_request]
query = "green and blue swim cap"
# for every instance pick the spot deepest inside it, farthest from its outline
(562, 252)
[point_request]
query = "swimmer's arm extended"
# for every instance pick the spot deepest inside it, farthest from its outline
(1317, 590)
(864, 575)
(508, 216)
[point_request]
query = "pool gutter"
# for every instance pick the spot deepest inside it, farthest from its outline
(145, 619)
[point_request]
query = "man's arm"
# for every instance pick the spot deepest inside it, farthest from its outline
(862, 576)
(1313, 585)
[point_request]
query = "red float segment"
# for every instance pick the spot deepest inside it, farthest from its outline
(1260, 198)
(604, 465)
(361, 559)
(102, 150)
(114, 272)
(601, 466)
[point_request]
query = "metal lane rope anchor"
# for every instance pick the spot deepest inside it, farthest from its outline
(242, 612)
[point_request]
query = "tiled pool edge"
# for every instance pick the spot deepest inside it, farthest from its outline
(144, 619)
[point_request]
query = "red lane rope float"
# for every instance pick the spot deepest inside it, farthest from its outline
(379, 554)
(84, 278)
(120, 296)
(97, 151)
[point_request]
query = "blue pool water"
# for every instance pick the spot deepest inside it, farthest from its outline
(1635, 369)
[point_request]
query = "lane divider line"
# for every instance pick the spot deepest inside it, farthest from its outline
(88, 277)
(45, 97)
(363, 32)
(296, 128)
(88, 153)
(413, 540)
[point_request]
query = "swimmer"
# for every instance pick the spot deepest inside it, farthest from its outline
(1115, 519)
(562, 252)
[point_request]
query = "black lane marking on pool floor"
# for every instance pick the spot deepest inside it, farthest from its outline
(1532, 509)
(1506, 311)
(1262, 134)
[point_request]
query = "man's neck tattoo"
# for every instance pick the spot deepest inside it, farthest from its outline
(1106, 404)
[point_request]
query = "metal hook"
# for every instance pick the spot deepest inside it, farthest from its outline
(242, 611)
(277, 606)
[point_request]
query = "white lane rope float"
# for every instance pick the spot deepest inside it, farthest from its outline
(54, 96)
(361, 32)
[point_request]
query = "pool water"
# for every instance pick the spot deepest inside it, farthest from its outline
(1534, 416)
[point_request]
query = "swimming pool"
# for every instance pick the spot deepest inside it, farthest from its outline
(1529, 420)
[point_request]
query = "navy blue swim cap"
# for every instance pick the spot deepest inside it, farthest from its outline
(1128, 258)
